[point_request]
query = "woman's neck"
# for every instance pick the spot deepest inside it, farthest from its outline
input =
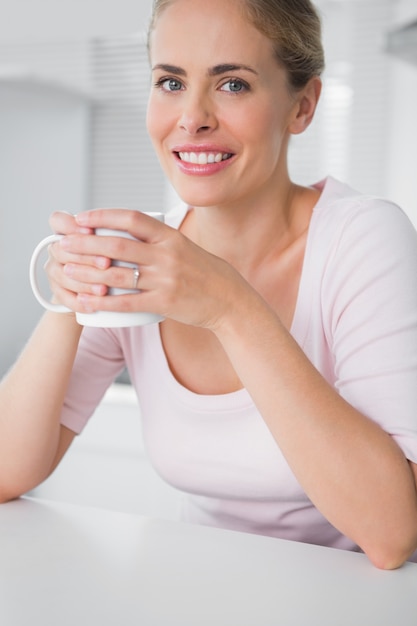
(248, 234)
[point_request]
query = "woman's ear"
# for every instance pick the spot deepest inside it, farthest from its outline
(306, 104)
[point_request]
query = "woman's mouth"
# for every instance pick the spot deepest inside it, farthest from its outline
(203, 158)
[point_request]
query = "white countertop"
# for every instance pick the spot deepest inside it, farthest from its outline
(66, 565)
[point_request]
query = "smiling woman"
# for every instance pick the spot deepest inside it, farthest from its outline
(266, 391)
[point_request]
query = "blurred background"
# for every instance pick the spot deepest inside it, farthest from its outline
(74, 81)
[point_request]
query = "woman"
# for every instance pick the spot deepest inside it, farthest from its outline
(280, 390)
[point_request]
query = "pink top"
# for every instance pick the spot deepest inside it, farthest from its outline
(355, 318)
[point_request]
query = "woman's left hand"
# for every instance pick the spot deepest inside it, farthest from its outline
(178, 279)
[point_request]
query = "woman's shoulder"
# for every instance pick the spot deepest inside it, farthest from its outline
(343, 199)
(344, 212)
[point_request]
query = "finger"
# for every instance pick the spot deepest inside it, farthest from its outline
(141, 225)
(64, 223)
(124, 303)
(71, 299)
(64, 256)
(67, 292)
(98, 247)
(115, 276)
(60, 278)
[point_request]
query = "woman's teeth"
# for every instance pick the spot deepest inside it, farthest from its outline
(202, 158)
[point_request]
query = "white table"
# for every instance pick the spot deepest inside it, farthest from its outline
(64, 565)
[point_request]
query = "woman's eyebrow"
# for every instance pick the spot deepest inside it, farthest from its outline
(222, 68)
(225, 68)
(170, 69)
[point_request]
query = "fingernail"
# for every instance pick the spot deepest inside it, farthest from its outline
(99, 290)
(102, 262)
(64, 243)
(81, 219)
(68, 269)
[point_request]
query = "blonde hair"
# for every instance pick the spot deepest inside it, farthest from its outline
(293, 27)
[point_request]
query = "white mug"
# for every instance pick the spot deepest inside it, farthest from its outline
(101, 319)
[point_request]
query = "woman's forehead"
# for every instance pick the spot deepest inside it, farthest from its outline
(215, 28)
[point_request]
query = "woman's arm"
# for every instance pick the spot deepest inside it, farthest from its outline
(32, 394)
(31, 398)
(347, 459)
(350, 468)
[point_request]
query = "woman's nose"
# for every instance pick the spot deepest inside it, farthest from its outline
(197, 115)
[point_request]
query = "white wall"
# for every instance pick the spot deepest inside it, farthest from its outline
(43, 167)
(40, 20)
(402, 169)
(406, 11)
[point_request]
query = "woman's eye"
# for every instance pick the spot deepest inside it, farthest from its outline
(234, 85)
(169, 84)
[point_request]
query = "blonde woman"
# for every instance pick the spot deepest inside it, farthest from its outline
(280, 391)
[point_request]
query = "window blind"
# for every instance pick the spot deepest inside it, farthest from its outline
(348, 138)
(125, 170)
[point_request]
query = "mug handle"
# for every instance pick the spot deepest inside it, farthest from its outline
(50, 306)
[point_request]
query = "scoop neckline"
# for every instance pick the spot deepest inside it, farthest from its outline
(298, 329)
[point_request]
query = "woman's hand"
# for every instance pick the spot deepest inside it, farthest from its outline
(65, 289)
(178, 279)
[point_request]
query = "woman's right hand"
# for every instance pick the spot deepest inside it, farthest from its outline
(65, 289)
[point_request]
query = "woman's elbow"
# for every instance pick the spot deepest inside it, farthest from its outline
(394, 552)
(7, 497)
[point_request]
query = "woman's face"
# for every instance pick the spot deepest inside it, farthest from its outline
(219, 111)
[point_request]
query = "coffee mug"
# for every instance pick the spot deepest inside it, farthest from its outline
(98, 319)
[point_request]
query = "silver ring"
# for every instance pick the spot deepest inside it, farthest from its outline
(136, 274)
